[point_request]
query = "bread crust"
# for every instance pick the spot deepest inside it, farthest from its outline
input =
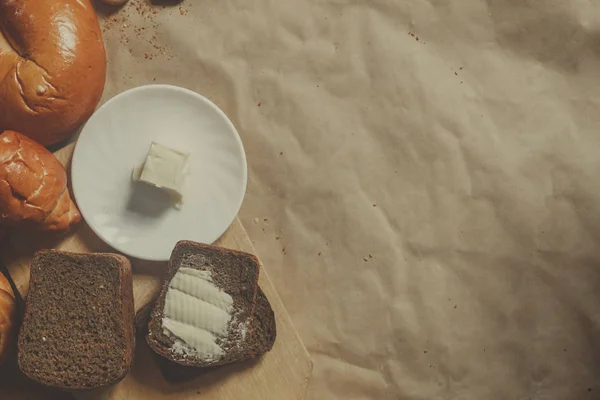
(52, 67)
(33, 186)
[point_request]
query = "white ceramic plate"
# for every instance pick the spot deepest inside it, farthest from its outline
(139, 220)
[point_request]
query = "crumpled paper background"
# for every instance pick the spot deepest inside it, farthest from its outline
(423, 179)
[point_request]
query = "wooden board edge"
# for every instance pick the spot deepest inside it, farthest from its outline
(283, 311)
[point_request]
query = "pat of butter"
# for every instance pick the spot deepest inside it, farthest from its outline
(196, 312)
(164, 168)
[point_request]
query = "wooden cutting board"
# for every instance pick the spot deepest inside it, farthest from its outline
(282, 374)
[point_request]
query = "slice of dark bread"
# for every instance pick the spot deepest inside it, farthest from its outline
(263, 333)
(78, 329)
(233, 272)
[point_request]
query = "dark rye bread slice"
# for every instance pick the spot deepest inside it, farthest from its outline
(78, 329)
(263, 333)
(234, 272)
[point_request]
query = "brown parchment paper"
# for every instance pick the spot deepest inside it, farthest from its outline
(424, 179)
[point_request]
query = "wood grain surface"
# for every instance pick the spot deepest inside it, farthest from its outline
(282, 374)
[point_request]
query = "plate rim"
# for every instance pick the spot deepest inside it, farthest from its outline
(192, 93)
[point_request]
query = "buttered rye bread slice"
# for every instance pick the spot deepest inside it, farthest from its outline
(263, 332)
(203, 315)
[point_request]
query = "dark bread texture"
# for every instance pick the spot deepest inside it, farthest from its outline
(263, 333)
(264, 327)
(142, 317)
(236, 273)
(78, 329)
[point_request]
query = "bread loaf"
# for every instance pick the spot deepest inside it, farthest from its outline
(7, 317)
(52, 67)
(33, 186)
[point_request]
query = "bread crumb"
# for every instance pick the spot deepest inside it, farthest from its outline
(370, 255)
(44, 338)
(277, 237)
(366, 259)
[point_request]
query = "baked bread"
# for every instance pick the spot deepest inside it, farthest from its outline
(263, 333)
(52, 67)
(204, 312)
(33, 186)
(78, 329)
(8, 316)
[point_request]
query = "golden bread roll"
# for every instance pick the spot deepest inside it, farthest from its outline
(7, 317)
(52, 67)
(33, 186)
